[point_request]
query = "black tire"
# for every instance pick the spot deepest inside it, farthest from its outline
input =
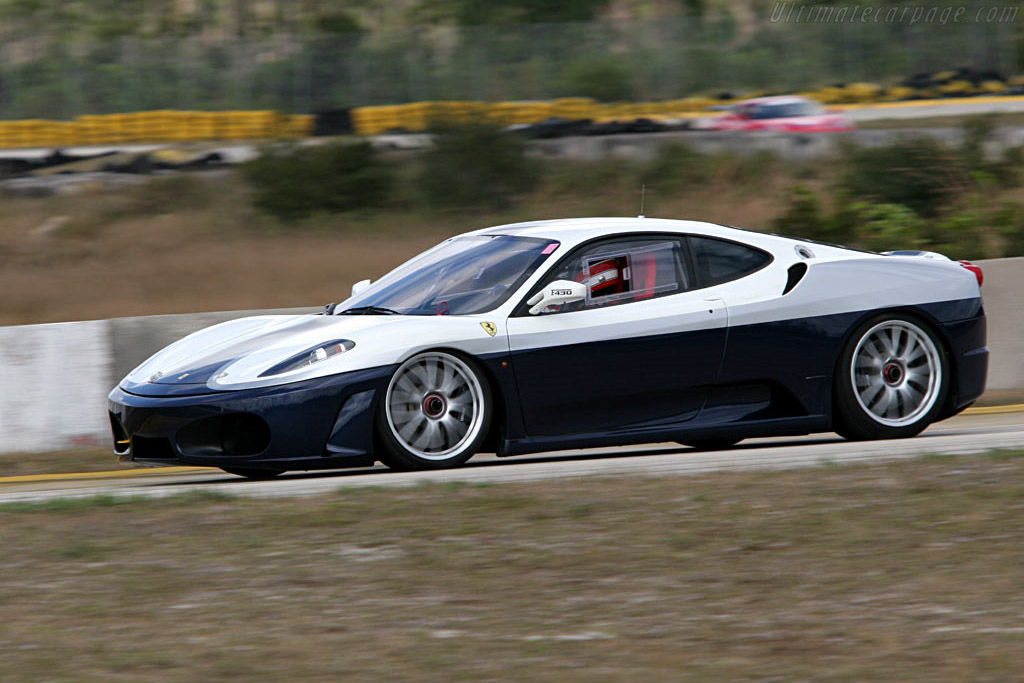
(711, 444)
(252, 472)
(421, 414)
(893, 393)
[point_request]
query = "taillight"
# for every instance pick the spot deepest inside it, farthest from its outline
(974, 269)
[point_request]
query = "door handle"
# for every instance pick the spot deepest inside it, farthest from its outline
(714, 299)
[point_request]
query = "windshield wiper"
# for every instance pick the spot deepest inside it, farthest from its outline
(369, 310)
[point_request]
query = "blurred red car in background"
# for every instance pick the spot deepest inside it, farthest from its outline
(783, 113)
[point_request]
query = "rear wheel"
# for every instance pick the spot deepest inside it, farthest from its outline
(435, 414)
(252, 472)
(892, 380)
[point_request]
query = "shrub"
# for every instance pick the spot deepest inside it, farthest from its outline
(886, 227)
(677, 165)
(990, 232)
(590, 178)
(603, 78)
(960, 236)
(1008, 169)
(843, 223)
(1013, 234)
(802, 216)
(920, 174)
(294, 182)
(475, 164)
(475, 12)
(747, 168)
(978, 131)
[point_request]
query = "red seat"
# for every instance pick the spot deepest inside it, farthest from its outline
(645, 273)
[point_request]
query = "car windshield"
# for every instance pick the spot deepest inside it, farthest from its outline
(780, 111)
(465, 275)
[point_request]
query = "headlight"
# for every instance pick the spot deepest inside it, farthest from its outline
(317, 354)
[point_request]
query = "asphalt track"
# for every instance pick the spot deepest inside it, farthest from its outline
(918, 109)
(982, 430)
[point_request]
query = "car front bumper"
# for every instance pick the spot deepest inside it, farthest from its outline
(324, 423)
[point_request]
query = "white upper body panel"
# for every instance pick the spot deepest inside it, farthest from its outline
(838, 280)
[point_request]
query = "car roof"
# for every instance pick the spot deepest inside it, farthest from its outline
(575, 230)
(571, 232)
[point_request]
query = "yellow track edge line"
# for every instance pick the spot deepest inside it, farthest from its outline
(111, 474)
(149, 471)
(995, 410)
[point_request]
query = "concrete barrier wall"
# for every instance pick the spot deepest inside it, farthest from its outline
(54, 378)
(1002, 292)
(789, 146)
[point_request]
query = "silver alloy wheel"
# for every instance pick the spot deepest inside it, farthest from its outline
(896, 373)
(435, 406)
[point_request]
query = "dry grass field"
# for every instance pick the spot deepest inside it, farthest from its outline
(898, 572)
(194, 243)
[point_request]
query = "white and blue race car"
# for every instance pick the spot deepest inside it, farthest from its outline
(570, 334)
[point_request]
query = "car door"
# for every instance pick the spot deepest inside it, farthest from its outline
(641, 350)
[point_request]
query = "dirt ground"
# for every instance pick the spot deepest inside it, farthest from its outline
(899, 572)
(91, 257)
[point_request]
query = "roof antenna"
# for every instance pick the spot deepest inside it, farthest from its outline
(643, 194)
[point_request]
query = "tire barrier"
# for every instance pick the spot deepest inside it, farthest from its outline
(155, 126)
(333, 122)
(188, 126)
(420, 116)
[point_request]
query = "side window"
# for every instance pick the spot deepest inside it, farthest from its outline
(623, 271)
(718, 261)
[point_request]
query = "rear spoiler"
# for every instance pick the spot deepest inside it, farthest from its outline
(939, 257)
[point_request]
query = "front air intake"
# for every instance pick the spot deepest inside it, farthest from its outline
(241, 434)
(152, 448)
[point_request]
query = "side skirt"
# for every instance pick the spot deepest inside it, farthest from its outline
(788, 426)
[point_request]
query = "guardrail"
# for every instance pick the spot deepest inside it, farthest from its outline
(54, 378)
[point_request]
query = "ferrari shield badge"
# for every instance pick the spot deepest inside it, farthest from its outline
(490, 328)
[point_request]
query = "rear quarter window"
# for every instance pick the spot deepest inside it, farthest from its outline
(718, 261)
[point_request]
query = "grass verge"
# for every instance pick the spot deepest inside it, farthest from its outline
(907, 571)
(58, 462)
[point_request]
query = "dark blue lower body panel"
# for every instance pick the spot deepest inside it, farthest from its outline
(318, 424)
(969, 356)
(776, 379)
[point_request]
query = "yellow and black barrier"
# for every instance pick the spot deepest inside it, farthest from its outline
(418, 116)
(187, 126)
(155, 126)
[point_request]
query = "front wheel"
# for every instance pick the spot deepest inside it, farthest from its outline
(435, 414)
(892, 380)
